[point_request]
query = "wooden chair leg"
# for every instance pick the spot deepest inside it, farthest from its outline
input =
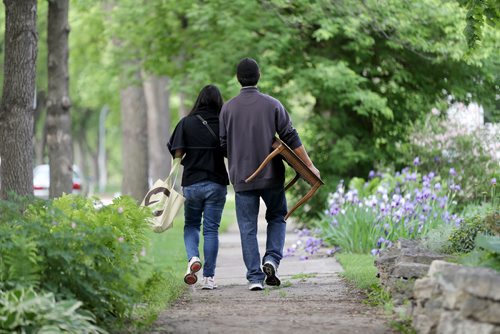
(291, 183)
(303, 199)
(265, 162)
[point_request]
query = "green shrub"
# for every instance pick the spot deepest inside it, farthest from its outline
(462, 239)
(77, 251)
(22, 310)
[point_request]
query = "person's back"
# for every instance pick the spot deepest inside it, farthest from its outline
(248, 124)
(251, 121)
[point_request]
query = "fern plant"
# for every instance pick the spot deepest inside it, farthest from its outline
(19, 262)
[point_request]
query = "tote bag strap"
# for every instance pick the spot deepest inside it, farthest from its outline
(174, 172)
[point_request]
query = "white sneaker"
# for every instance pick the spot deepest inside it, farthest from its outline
(271, 272)
(209, 283)
(255, 286)
(194, 266)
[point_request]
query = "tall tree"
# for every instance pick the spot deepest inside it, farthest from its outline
(157, 97)
(16, 109)
(134, 138)
(58, 103)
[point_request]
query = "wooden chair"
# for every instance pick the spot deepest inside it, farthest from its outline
(298, 165)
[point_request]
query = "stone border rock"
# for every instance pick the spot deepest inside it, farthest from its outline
(457, 299)
(399, 266)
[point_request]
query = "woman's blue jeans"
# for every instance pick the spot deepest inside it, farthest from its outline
(204, 199)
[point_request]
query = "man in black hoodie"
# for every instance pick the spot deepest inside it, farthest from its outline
(248, 125)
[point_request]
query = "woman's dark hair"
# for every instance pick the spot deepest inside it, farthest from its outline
(210, 99)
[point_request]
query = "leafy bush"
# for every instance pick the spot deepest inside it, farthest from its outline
(392, 206)
(22, 310)
(76, 250)
(463, 238)
(486, 253)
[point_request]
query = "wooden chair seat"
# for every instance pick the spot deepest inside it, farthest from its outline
(298, 165)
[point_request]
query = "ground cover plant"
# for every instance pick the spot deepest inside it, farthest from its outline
(485, 254)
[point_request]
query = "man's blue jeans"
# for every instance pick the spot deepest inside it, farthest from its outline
(247, 210)
(205, 199)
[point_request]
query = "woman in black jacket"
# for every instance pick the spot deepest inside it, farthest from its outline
(204, 181)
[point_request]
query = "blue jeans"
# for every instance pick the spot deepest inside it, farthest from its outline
(247, 210)
(205, 199)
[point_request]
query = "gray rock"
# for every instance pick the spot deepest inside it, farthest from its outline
(409, 270)
(456, 299)
(480, 282)
(453, 323)
(399, 265)
(482, 310)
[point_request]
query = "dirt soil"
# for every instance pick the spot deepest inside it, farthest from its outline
(313, 298)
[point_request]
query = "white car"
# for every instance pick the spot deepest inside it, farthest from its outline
(41, 181)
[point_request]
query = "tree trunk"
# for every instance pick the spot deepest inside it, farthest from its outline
(134, 139)
(102, 171)
(157, 99)
(58, 116)
(16, 110)
(39, 142)
(183, 110)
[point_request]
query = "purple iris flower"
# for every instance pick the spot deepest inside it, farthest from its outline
(437, 186)
(380, 241)
(289, 252)
(494, 181)
(334, 211)
(442, 201)
(375, 252)
(453, 172)
(304, 232)
(371, 175)
(416, 161)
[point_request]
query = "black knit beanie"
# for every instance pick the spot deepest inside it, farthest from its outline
(248, 72)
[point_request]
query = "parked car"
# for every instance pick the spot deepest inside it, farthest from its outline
(41, 181)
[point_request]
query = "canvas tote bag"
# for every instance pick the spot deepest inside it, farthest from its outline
(164, 200)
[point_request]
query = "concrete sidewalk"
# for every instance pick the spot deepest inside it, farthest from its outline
(231, 269)
(311, 299)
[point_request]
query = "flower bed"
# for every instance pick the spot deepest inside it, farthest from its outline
(372, 215)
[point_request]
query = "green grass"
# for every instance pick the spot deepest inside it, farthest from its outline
(303, 276)
(167, 248)
(359, 270)
(168, 257)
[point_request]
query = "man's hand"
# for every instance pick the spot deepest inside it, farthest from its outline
(315, 171)
(302, 154)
